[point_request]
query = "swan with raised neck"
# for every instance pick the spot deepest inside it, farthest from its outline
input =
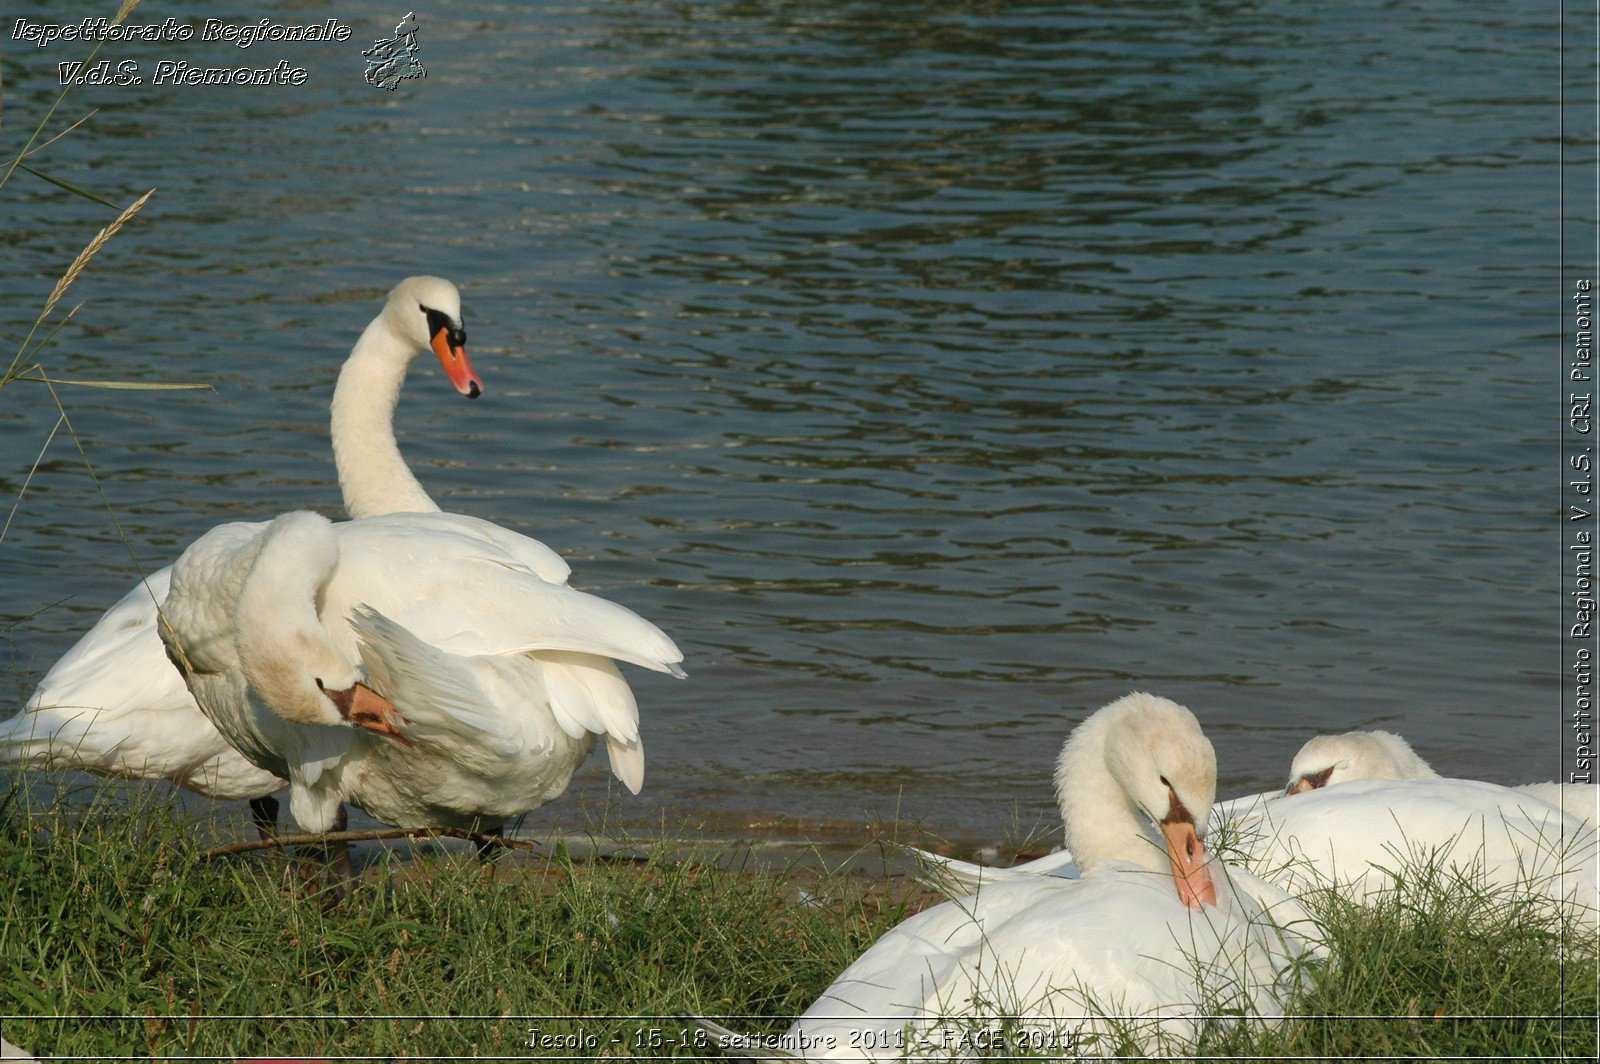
(422, 313)
(1140, 756)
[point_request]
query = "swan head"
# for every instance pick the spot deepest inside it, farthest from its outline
(1141, 755)
(426, 313)
(1358, 755)
(288, 658)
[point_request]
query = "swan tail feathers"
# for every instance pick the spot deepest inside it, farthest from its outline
(589, 696)
(440, 705)
(627, 762)
(948, 876)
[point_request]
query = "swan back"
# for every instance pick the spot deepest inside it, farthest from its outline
(1373, 834)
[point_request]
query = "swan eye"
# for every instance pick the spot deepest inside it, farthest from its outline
(1166, 782)
(440, 322)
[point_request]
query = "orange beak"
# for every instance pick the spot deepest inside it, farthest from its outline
(453, 357)
(372, 711)
(1310, 781)
(366, 708)
(1188, 856)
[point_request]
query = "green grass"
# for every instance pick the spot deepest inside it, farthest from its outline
(1440, 969)
(115, 914)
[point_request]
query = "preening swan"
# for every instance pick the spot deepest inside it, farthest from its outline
(1326, 760)
(114, 705)
(1152, 930)
(433, 669)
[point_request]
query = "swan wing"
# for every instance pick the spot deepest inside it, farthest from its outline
(444, 705)
(119, 664)
(538, 618)
(437, 698)
(89, 708)
(453, 585)
(1070, 955)
(1580, 800)
(1366, 831)
(516, 548)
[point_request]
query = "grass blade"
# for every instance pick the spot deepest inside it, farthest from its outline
(129, 386)
(62, 420)
(74, 189)
(64, 132)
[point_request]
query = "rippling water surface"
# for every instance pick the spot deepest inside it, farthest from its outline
(933, 373)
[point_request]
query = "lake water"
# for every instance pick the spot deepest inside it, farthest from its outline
(932, 373)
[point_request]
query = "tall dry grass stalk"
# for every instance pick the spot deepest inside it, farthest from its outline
(90, 251)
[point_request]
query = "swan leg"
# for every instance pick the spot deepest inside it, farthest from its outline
(341, 869)
(489, 851)
(325, 868)
(264, 811)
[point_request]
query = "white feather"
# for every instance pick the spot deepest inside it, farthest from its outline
(436, 697)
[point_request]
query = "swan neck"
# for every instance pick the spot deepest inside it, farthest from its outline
(1102, 821)
(278, 632)
(373, 477)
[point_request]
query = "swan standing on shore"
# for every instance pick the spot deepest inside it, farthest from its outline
(115, 706)
(1153, 932)
(433, 669)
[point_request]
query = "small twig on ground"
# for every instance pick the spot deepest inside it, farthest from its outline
(280, 841)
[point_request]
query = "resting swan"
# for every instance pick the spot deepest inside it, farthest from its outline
(433, 669)
(114, 705)
(1326, 760)
(1152, 931)
(1360, 823)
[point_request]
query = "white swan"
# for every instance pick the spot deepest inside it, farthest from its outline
(1326, 760)
(115, 706)
(1151, 930)
(954, 878)
(1361, 807)
(433, 669)
(1359, 835)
